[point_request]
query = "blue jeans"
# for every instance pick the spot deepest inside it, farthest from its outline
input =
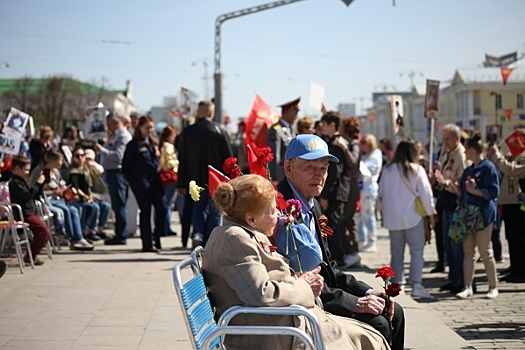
(171, 195)
(57, 214)
(118, 192)
(71, 219)
(205, 218)
(454, 252)
(90, 214)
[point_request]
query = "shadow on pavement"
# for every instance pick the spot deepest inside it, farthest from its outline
(504, 330)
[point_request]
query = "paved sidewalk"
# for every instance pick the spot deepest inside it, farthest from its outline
(120, 298)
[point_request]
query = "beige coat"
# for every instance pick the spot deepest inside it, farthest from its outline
(238, 271)
(510, 171)
(452, 164)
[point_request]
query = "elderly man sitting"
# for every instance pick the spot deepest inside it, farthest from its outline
(306, 166)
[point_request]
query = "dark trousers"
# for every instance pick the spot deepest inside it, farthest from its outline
(146, 197)
(187, 212)
(380, 323)
(335, 214)
(496, 243)
(41, 234)
(118, 192)
(438, 230)
(514, 220)
(350, 239)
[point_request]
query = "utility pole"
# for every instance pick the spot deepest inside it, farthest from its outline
(205, 78)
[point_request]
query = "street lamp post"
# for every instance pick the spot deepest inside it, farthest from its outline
(223, 18)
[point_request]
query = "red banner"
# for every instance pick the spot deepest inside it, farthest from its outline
(516, 143)
(505, 72)
(215, 178)
(261, 117)
(508, 114)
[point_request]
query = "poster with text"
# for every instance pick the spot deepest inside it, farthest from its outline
(15, 123)
(9, 144)
(95, 127)
(316, 97)
(432, 99)
(398, 123)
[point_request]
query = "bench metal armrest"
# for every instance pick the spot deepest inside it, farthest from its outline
(292, 310)
(260, 330)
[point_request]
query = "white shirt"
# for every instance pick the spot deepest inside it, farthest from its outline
(398, 202)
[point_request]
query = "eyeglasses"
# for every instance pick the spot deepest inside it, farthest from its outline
(79, 155)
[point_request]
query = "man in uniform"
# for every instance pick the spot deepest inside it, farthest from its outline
(279, 136)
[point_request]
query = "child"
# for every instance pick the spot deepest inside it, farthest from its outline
(24, 196)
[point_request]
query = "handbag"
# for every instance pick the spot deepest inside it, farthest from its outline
(168, 177)
(299, 245)
(466, 219)
(420, 209)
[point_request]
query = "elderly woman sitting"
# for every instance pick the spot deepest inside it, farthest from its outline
(242, 268)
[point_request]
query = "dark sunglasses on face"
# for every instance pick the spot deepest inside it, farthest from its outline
(79, 155)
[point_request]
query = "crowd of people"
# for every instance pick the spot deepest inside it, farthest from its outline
(328, 166)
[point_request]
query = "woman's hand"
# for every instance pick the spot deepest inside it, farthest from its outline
(315, 280)
(341, 145)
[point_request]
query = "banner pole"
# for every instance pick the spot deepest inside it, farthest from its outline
(431, 148)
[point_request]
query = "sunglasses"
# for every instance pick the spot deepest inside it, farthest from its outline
(79, 155)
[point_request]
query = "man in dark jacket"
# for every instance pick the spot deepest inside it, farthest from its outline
(201, 144)
(306, 169)
(24, 196)
(337, 187)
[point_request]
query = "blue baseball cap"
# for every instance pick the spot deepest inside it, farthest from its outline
(308, 147)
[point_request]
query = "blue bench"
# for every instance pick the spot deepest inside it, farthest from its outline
(206, 334)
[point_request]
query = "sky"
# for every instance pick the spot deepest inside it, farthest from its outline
(161, 46)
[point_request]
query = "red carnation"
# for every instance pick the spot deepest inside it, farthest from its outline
(236, 172)
(229, 164)
(264, 155)
(393, 290)
(385, 273)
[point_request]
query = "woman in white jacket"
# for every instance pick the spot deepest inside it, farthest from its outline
(371, 162)
(403, 180)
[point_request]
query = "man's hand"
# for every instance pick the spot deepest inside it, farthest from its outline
(97, 146)
(492, 151)
(315, 280)
(370, 304)
(431, 222)
(324, 203)
(439, 178)
(390, 309)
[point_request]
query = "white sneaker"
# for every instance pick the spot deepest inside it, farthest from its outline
(370, 247)
(361, 244)
(465, 293)
(81, 245)
(351, 260)
(419, 291)
(492, 294)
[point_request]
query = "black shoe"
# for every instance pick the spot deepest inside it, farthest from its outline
(92, 237)
(102, 235)
(150, 250)
(447, 286)
(456, 289)
(438, 269)
(115, 241)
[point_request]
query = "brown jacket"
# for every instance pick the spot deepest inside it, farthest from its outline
(510, 171)
(238, 271)
(452, 164)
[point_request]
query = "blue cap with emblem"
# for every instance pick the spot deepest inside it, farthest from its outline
(308, 147)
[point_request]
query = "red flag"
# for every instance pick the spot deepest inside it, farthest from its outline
(281, 202)
(505, 72)
(215, 178)
(261, 117)
(516, 143)
(508, 114)
(253, 163)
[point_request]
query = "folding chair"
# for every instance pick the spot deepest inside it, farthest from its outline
(10, 228)
(205, 333)
(47, 217)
